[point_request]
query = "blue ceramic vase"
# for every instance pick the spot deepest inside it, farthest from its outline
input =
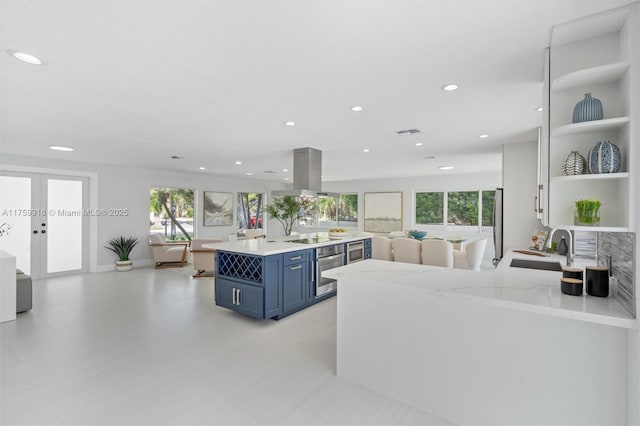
(604, 157)
(588, 109)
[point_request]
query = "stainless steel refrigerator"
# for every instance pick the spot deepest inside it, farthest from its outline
(497, 225)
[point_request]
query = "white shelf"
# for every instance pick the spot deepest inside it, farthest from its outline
(591, 228)
(599, 176)
(590, 76)
(590, 126)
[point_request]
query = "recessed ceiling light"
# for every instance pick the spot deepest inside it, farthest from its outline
(25, 57)
(450, 87)
(446, 167)
(366, 150)
(238, 163)
(539, 109)
(177, 157)
(356, 108)
(285, 170)
(418, 143)
(201, 168)
(290, 123)
(483, 136)
(248, 173)
(60, 148)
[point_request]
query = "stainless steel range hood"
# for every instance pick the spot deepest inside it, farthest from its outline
(307, 175)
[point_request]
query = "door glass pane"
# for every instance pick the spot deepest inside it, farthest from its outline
(15, 219)
(64, 227)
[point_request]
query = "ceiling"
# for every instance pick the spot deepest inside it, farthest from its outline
(213, 81)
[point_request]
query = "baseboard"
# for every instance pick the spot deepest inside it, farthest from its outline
(138, 263)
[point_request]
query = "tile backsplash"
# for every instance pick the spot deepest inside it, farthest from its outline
(620, 246)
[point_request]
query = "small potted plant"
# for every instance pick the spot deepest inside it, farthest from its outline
(587, 212)
(122, 247)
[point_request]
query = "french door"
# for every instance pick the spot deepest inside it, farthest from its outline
(44, 222)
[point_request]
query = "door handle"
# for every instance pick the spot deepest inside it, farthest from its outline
(295, 268)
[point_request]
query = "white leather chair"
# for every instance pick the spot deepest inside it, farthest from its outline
(381, 248)
(204, 259)
(168, 253)
(437, 253)
(407, 250)
(471, 257)
(254, 233)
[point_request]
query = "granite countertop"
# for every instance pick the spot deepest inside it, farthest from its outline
(267, 246)
(516, 288)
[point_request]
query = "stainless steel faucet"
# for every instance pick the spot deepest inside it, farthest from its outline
(570, 252)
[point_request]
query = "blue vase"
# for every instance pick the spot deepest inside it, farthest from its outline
(588, 109)
(604, 157)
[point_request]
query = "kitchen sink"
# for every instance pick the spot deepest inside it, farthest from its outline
(536, 264)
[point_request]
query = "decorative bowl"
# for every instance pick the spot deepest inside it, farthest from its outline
(338, 234)
(418, 235)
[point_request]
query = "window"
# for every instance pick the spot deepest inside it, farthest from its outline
(171, 212)
(487, 207)
(461, 208)
(430, 208)
(348, 209)
(250, 211)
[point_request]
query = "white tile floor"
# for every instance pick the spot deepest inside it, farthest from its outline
(150, 347)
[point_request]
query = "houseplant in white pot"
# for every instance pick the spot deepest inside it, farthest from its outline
(122, 247)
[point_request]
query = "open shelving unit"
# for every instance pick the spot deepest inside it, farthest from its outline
(593, 55)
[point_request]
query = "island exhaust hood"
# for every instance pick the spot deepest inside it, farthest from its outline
(307, 175)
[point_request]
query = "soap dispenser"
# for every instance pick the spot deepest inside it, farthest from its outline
(562, 246)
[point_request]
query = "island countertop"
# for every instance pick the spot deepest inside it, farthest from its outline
(517, 288)
(267, 246)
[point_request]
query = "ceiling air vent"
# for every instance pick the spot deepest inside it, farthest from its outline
(409, 132)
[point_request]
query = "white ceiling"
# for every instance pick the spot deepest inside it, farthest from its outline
(213, 81)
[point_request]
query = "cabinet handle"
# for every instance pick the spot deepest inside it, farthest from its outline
(238, 297)
(540, 189)
(233, 302)
(295, 258)
(295, 268)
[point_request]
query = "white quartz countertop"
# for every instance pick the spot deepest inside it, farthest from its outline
(517, 288)
(266, 246)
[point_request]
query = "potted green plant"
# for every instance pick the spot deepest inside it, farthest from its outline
(122, 247)
(587, 212)
(288, 210)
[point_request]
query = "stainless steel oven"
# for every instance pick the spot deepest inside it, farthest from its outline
(355, 251)
(327, 257)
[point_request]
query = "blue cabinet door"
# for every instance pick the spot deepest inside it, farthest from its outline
(242, 298)
(294, 286)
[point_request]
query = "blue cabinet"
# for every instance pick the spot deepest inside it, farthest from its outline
(262, 286)
(243, 298)
(367, 248)
(294, 284)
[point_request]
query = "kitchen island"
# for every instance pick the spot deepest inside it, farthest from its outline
(494, 347)
(264, 278)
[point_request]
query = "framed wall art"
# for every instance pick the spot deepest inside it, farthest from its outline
(218, 208)
(382, 211)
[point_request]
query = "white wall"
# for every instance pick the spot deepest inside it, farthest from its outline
(124, 187)
(410, 186)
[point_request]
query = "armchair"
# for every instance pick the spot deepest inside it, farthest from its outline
(204, 259)
(168, 253)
